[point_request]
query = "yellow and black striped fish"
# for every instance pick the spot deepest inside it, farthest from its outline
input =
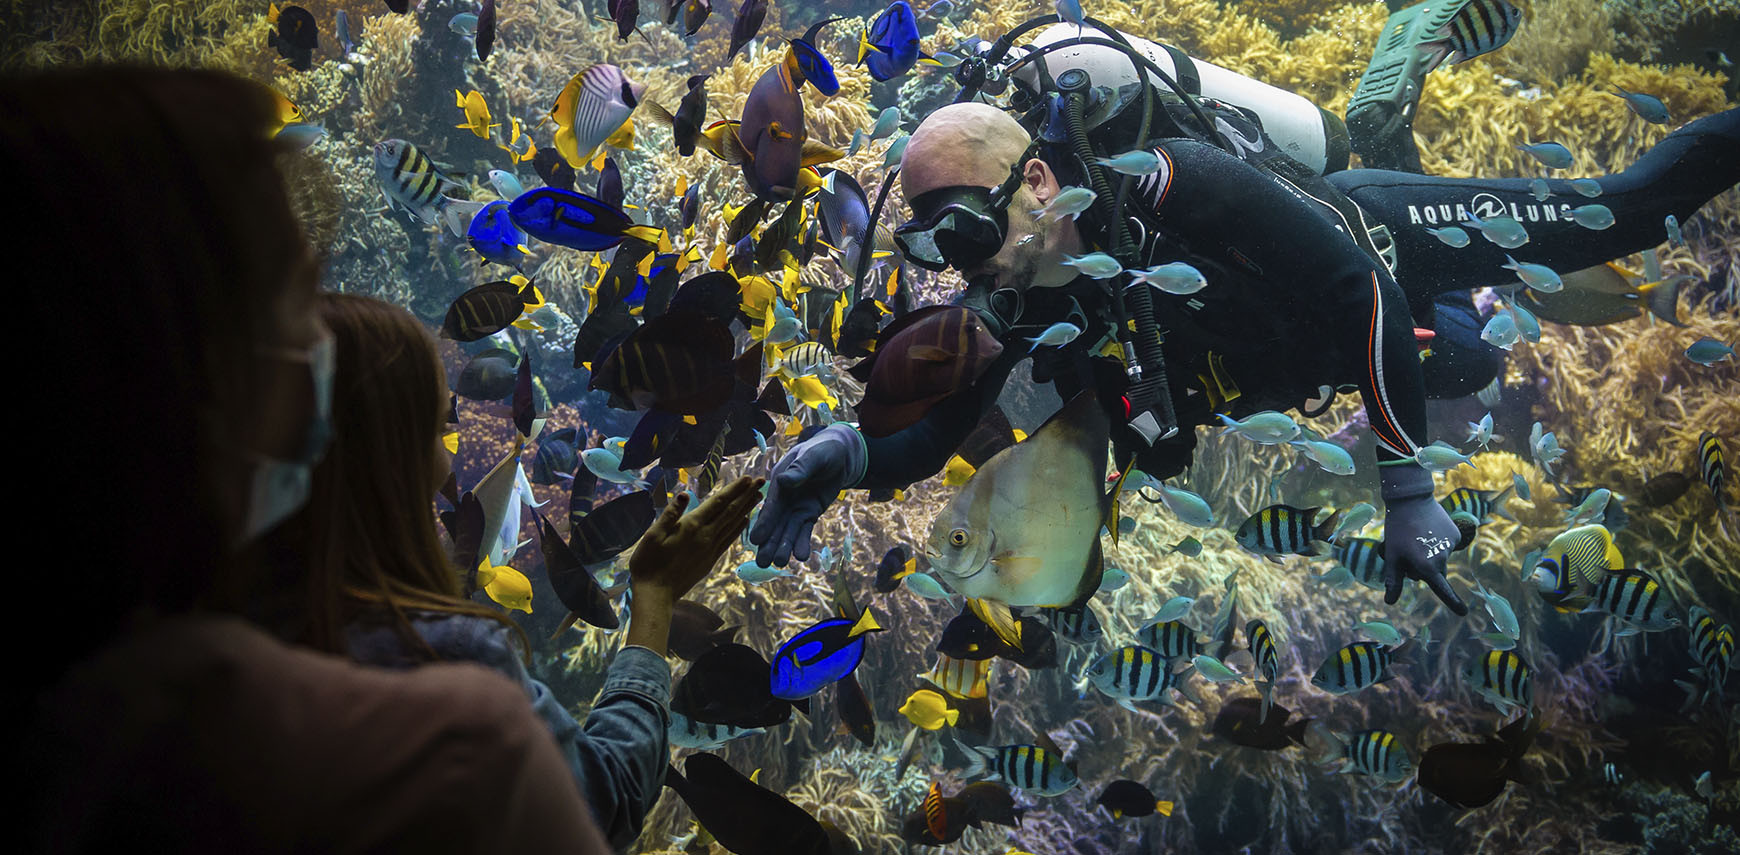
(1262, 644)
(1172, 639)
(1710, 464)
(1637, 600)
(1378, 753)
(1480, 27)
(1355, 667)
(1285, 530)
(1712, 645)
(1134, 673)
(1028, 767)
(1469, 508)
(411, 180)
(1364, 559)
(1503, 679)
(962, 678)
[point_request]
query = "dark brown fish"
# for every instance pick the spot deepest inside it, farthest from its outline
(1130, 798)
(695, 14)
(859, 329)
(485, 35)
(896, 563)
(748, 23)
(696, 629)
(690, 118)
(743, 816)
(714, 295)
(626, 14)
(993, 434)
(399, 6)
(464, 526)
(992, 802)
(1471, 774)
(525, 402)
(489, 376)
(921, 359)
(485, 310)
(679, 363)
(1664, 489)
(550, 166)
(295, 36)
(604, 533)
(730, 684)
(839, 842)
(1240, 722)
(574, 584)
(856, 715)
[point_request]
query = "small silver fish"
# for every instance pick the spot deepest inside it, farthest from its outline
(1139, 162)
(895, 151)
(1674, 236)
(1647, 107)
(1521, 485)
(1538, 189)
(1708, 351)
(1500, 331)
(1174, 278)
(1481, 432)
(1268, 427)
(1550, 154)
(1095, 265)
(1214, 670)
(886, 122)
(1382, 632)
(1355, 519)
(1175, 609)
(1327, 455)
(1069, 202)
(1502, 230)
(1440, 457)
(925, 585)
(1537, 276)
(1187, 506)
(1526, 323)
(1451, 236)
(1593, 217)
(1056, 335)
(1587, 187)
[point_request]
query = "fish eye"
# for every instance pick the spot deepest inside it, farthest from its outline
(958, 537)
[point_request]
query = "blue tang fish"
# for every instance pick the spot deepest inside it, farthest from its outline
(495, 237)
(820, 655)
(809, 65)
(889, 48)
(575, 220)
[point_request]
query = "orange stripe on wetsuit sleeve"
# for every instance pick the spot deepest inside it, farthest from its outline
(1371, 361)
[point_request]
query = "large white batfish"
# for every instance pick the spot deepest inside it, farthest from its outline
(1025, 529)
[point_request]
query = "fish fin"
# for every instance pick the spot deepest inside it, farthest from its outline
(660, 115)
(866, 623)
(1128, 704)
(998, 617)
(1662, 298)
(1163, 807)
(731, 147)
(816, 153)
(975, 759)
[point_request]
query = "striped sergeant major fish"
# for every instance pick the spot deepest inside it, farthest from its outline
(1357, 666)
(1636, 599)
(1172, 639)
(1480, 27)
(1027, 767)
(1503, 679)
(1077, 624)
(685, 732)
(1469, 508)
(1357, 559)
(962, 678)
(1285, 530)
(1378, 753)
(1136, 673)
(1713, 648)
(1710, 466)
(410, 180)
(1268, 659)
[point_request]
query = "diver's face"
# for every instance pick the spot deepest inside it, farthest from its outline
(1032, 251)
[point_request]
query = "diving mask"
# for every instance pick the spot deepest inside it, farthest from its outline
(958, 226)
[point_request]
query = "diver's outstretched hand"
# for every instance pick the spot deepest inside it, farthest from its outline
(804, 483)
(1418, 535)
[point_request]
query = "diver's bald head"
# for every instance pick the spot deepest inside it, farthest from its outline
(969, 143)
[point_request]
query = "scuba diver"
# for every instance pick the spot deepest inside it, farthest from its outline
(1316, 285)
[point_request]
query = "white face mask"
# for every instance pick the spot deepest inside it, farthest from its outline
(279, 488)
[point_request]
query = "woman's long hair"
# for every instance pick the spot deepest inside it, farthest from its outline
(373, 548)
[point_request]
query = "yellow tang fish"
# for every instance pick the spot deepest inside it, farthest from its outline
(812, 393)
(476, 113)
(505, 585)
(929, 710)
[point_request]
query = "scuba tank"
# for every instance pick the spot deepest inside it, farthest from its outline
(1305, 132)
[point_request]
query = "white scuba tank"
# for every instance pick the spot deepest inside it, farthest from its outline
(1306, 132)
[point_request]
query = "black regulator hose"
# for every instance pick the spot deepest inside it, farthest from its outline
(1150, 396)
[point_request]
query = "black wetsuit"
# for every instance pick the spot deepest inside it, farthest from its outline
(1294, 303)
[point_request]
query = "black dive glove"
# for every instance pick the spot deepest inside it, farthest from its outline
(1418, 534)
(803, 484)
